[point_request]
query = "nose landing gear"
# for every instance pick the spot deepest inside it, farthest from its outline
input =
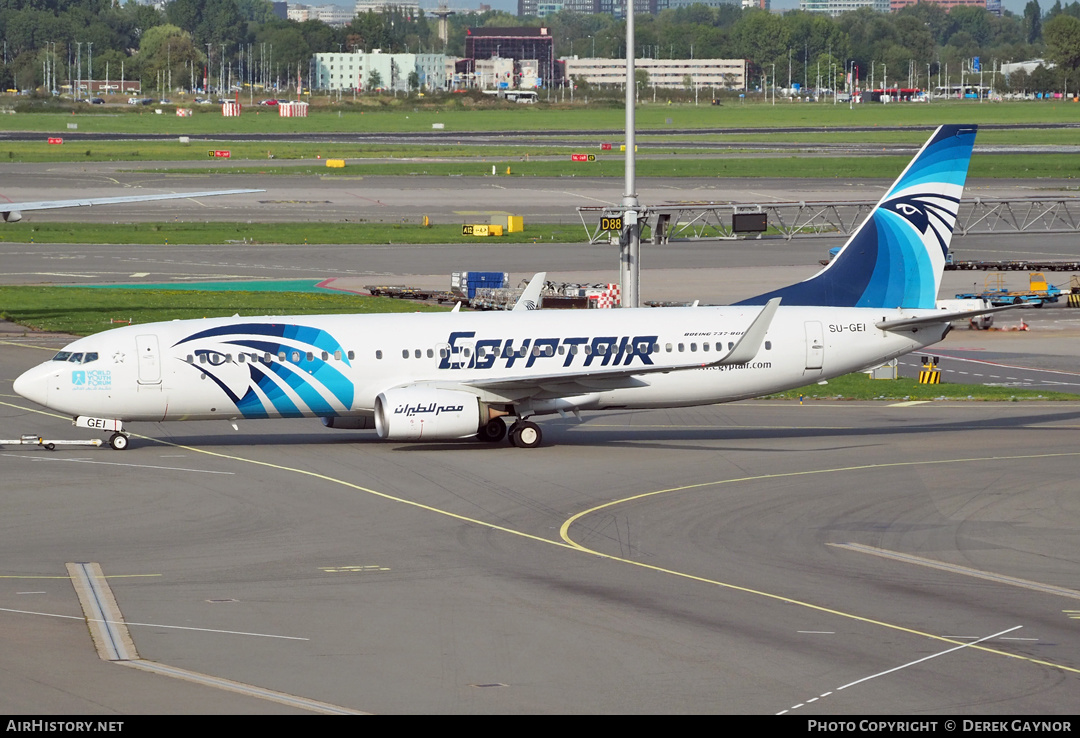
(118, 441)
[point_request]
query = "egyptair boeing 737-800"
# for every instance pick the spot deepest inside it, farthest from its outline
(416, 377)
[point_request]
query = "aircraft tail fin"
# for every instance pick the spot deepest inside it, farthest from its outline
(896, 257)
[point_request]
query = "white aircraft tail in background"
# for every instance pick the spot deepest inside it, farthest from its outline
(423, 376)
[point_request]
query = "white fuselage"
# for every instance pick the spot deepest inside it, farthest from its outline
(336, 365)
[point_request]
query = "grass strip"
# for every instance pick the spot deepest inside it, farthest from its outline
(861, 387)
(82, 311)
(278, 233)
(756, 164)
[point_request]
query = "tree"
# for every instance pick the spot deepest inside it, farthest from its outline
(374, 80)
(1032, 21)
(167, 50)
(1062, 35)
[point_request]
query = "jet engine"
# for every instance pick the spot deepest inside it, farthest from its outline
(426, 413)
(12, 216)
(354, 422)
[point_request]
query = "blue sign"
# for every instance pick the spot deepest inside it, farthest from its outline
(975, 64)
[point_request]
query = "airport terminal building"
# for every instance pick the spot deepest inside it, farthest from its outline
(727, 74)
(363, 71)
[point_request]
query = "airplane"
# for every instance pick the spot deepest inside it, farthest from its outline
(11, 212)
(459, 375)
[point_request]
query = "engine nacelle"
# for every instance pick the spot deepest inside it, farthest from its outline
(426, 413)
(12, 216)
(359, 422)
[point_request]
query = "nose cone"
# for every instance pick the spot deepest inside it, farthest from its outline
(33, 384)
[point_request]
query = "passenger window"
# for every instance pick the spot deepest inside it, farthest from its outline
(310, 356)
(768, 345)
(404, 353)
(466, 352)
(190, 359)
(202, 358)
(562, 350)
(430, 353)
(668, 347)
(443, 353)
(352, 355)
(267, 358)
(536, 351)
(693, 347)
(378, 354)
(682, 347)
(416, 353)
(325, 356)
(240, 358)
(281, 356)
(719, 346)
(296, 357)
(705, 347)
(337, 355)
(730, 345)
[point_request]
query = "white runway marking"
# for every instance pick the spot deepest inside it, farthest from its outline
(956, 569)
(117, 463)
(905, 666)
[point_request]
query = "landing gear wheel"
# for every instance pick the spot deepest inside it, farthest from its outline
(493, 431)
(118, 441)
(526, 434)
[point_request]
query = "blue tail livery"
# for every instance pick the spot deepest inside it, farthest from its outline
(896, 257)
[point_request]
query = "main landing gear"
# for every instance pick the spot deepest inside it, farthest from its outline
(523, 433)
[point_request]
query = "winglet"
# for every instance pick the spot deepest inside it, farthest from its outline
(748, 346)
(530, 298)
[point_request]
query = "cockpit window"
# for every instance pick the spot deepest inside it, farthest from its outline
(76, 357)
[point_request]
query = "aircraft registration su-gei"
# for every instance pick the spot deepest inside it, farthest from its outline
(457, 375)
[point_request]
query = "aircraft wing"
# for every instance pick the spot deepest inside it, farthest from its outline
(583, 380)
(18, 207)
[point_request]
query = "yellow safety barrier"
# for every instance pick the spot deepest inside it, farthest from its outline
(336, 163)
(930, 376)
(1074, 300)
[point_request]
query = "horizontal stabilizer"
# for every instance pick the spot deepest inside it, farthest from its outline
(942, 317)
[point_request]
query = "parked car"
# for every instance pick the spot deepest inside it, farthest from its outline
(133, 101)
(268, 102)
(95, 101)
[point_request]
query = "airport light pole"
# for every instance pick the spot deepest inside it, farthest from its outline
(630, 237)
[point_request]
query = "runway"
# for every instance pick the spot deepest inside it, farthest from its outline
(744, 558)
(832, 558)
